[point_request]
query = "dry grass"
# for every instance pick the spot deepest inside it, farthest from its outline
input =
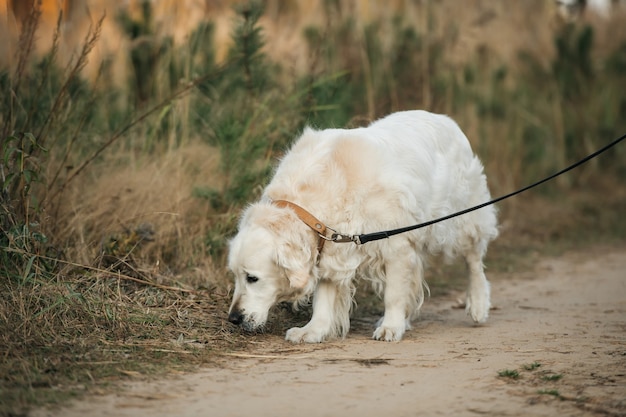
(156, 193)
(100, 326)
(145, 307)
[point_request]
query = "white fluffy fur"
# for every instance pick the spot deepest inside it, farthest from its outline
(404, 169)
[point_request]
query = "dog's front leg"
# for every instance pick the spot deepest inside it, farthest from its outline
(327, 320)
(394, 323)
(404, 294)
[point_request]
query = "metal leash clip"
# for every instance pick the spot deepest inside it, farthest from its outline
(341, 238)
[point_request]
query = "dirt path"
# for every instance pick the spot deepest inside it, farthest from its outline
(568, 318)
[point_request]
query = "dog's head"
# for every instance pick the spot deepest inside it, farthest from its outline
(272, 258)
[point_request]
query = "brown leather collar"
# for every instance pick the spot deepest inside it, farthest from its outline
(307, 218)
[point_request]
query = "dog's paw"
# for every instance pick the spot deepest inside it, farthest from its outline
(304, 335)
(389, 334)
(478, 307)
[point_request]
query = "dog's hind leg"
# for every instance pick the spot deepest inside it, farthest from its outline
(404, 293)
(331, 315)
(478, 292)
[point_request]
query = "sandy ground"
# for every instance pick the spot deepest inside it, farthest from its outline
(568, 316)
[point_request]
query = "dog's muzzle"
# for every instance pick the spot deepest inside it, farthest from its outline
(236, 317)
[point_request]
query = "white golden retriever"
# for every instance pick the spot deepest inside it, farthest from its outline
(404, 169)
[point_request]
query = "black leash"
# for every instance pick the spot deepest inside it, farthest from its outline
(370, 237)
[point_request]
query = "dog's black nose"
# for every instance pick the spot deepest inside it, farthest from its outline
(235, 317)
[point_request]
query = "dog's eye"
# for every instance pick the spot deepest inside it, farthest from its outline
(251, 279)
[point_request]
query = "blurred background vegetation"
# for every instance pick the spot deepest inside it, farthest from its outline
(132, 133)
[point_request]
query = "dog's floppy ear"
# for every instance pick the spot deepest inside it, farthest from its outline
(297, 260)
(293, 240)
(298, 279)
